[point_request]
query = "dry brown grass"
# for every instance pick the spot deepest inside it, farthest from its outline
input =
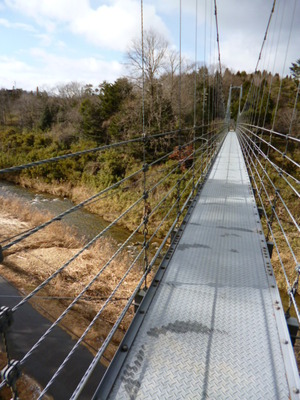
(33, 260)
(112, 204)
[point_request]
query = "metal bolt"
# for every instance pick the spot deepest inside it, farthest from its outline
(124, 347)
(296, 390)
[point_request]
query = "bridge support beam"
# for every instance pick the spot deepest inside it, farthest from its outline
(270, 248)
(139, 298)
(173, 234)
(293, 326)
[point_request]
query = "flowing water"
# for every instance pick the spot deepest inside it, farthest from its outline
(87, 224)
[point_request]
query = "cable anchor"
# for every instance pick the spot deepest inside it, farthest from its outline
(10, 374)
(296, 281)
(145, 167)
(293, 290)
(273, 208)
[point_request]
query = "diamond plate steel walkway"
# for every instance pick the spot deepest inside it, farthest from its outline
(212, 324)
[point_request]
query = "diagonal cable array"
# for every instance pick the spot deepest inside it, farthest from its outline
(270, 145)
(273, 196)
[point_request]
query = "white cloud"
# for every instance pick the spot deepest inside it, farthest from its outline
(16, 25)
(11, 70)
(45, 39)
(52, 69)
(61, 44)
(111, 25)
(115, 25)
(49, 14)
(54, 10)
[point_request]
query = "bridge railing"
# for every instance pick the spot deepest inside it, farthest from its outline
(181, 171)
(273, 161)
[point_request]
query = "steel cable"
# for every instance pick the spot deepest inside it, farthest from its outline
(284, 63)
(69, 211)
(80, 153)
(88, 201)
(100, 311)
(28, 354)
(92, 323)
(79, 296)
(276, 189)
(266, 215)
(289, 290)
(274, 148)
(275, 166)
(89, 244)
(98, 356)
(260, 54)
(276, 216)
(285, 136)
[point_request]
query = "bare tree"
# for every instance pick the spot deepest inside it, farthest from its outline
(172, 68)
(155, 48)
(28, 108)
(154, 60)
(71, 90)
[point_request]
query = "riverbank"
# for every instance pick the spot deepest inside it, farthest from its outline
(113, 203)
(29, 263)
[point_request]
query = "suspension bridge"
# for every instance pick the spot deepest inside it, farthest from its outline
(208, 317)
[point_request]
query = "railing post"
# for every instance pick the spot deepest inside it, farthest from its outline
(272, 214)
(293, 326)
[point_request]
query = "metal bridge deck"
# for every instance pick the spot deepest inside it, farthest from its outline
(215, 328)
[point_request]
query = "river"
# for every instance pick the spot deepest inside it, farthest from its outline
(87, 224)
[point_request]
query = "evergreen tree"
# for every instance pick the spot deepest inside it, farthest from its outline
(295, 70)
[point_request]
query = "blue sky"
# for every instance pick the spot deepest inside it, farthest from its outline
(50, 42)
